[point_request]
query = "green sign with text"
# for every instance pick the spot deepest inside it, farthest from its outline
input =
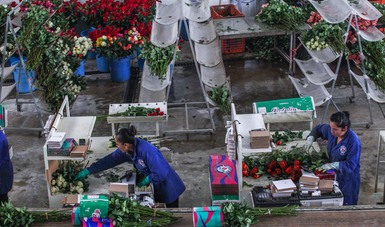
(291, 105)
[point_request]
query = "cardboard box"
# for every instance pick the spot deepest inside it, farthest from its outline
(259, 139)
(65, 150)
(223, 175)
(210, 216)
(119, 188)
(79, 151)
(95, 206)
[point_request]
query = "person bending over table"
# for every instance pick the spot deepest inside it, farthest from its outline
(148, 161)
(344, 151)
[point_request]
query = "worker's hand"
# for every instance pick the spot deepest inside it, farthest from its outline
(144, 182)
(82, 174)
(309, 142)
(332, 165)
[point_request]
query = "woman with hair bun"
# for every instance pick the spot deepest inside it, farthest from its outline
(344, 151)
(148, 161)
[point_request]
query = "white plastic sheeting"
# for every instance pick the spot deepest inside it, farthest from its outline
(168, 14)
(214, 76)
(202, 32)
(208, 54)
(316, 72)
(333, 11)
(164, 35)
(152, 82)
(197, 12)
(373, 91)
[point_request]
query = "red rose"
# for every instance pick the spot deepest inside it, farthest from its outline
(283, 164)
(296, 162)
(254, 170)
(272, 164)
(289, 170)
(278, 171)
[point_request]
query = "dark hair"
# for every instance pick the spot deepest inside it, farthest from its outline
(126, 135)
(341, 119)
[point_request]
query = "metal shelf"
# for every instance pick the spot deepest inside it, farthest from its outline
(305, 88)
(371, 34)
(316, 72)
(325, 55)
(8, 71)
(332, 11)
(6, 90)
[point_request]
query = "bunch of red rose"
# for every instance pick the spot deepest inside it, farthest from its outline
(254, 172)
(156, 112)
(364, 24)
(283, 170)
(127, 14)
(314, 18)
(48, 5)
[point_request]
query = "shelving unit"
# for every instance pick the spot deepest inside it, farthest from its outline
(12, 26)
(242, 124)
(76, 128)
(165, 32)
(316, 70)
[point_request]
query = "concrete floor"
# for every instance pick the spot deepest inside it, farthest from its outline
(250, 81)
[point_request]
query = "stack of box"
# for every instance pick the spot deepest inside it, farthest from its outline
(326, 186)
(56, 140)
(223, 177)
(283, 188)
(262, 197)
(259, 139)
(308, 184)
(67, 147)
(334, 198)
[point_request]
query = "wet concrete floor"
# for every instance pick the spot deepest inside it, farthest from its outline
(250, 81)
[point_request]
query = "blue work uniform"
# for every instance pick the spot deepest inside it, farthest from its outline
(148, 160)
(6, 167)
(347, 152)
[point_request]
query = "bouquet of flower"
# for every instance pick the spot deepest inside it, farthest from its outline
(324, 34)
(282, 164)
(130, 13)
(4, 10)
(9, 50)
(120, 46)
(279, 13)
(81, 46)
(157, 58)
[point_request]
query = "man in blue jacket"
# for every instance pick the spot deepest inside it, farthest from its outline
(344, 151)
(6, 169)
(148, 161)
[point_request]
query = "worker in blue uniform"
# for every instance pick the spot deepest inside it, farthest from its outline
(6, 169)
(147, 160)
(344, 151)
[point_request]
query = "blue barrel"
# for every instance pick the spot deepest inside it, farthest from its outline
(23, 86)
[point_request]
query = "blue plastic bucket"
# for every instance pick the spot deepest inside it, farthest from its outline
(184, 31)
(90, 54)
(120, 69)
(140, 60)
(80, 70)
(102, 64)
(23, 86)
